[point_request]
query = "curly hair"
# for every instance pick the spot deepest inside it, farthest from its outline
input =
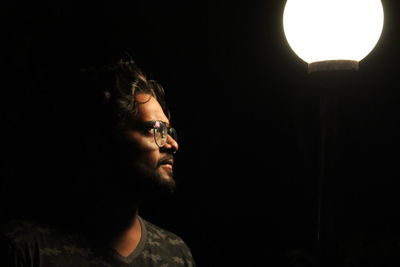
(113, 89)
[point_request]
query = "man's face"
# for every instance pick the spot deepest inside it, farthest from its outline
(143, 156)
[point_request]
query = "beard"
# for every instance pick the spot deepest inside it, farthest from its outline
(134, 177)
(151, 180)
(142, 182)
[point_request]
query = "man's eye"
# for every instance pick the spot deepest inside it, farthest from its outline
(148, 130)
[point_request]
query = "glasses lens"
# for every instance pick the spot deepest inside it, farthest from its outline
(160, 133)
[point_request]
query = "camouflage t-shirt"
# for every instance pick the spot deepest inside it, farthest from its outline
(28, 244)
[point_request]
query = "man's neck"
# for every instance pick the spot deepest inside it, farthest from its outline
(127, 241)
(110, 222)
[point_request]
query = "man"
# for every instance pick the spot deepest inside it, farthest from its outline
(119, 151)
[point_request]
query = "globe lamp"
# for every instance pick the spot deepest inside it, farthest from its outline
(333, 34)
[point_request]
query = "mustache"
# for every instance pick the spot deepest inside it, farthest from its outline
(165, 160)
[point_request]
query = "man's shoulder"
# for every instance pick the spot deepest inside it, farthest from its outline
(18, 230)
(25, 232)
(168, 243)
(157, 232)
(22, 240)
(44, 244)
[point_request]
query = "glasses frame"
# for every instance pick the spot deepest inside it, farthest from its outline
(160, 127)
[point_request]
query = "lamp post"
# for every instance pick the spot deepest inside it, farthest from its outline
(332, 36)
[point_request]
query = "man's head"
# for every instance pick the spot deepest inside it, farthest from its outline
(146, 143)
(127, 129)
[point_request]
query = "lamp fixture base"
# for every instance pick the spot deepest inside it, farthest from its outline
(333, 65)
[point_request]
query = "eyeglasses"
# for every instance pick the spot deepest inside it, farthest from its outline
(161, 132)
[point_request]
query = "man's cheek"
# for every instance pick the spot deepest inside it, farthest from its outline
(150, 161)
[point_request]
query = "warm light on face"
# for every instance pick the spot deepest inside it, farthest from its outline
(319, 30)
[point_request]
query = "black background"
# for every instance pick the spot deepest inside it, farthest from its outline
(246, 111)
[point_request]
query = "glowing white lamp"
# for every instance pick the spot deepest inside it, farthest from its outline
(333, 34)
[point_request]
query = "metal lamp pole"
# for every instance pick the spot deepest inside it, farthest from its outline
(327, 76)
(332, 36)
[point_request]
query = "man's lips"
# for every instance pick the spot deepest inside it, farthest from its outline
(167, 164)
(167, 161)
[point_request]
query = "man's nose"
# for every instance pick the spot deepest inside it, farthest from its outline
(171, 144)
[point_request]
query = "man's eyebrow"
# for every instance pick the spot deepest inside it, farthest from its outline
(152, 121)
(167, 124)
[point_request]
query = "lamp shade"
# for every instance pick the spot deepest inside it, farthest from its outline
(325, 30)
